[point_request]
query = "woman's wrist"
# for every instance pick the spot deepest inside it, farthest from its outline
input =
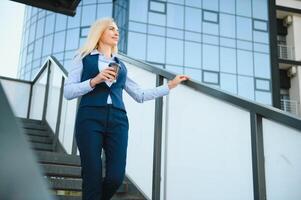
(171, 84)
(92, 83)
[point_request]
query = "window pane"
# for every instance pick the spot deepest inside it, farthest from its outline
(194, 3)
(262, 65)
(175, 16)
(61, 22)
(89, 1)
(156, 30)
(210, 57)
(227, 42)
(138, 27)
(227, 6)
(262, 84)
(176, 1)
(243, 7)
(195, 74)
(244, 45)
(174, 69)
(138, 10)
(157, 19)
(156, 49)
(193, 55)
(264, 97)
(37, 49)
(193, 18)
(209, 16)
(244, 28)
(104, 10)
(59, 41)
(210, 77)
(174, 51)
(246, 87)
(228, 60)
(210, 28)
(174, 33)
(260, 25)
(261, 48)
(89, 14)
(210, 4)
(32, 31)
(40, 28)
(260, 9)
(228, 82)
(136, 45)
(157, 6)
(75, 21)
(261, 37)
(72, 39)
(210, 39)
(47, 46)
(227, 25)
(193, 36)
(49, 27)
(245, 62)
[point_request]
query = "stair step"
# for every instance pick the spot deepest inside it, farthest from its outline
(30, 121)
(42, 147)
(58, 158)
(42, 133)
(39, 139)
(115, 197)
(61, 171)
(75, 185)
(41, 127)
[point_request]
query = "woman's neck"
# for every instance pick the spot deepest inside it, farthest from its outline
(106, 50)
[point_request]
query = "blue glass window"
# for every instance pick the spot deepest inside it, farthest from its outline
(32, 32)
(210, 28)
(262, 84)
(49, 28)
(59, 41)
(262, 65)
(138, 10)
(61, 22)
(157, 19)
(211, 77)
(245, 62)
(260, 9)
(244, 45)
(227, 6)
(228, 60)
(37, 49)
(210, 57)
(195, 74)
(174, 33)
(264, 97)
(137, 27)
(210, 39)
(246, 87)
(40, 28)
(261, 48)
(89, 1)
(227, 25)
(175, 69)
(244, 28)
(104, 10)
(193, 36)
(47, 45)
(156, 49)
(228, 82)
(69, 54)
(210, 16)
(194, 3)
(84, 31)
(174, 51)
(227, 42)
(175, 1)
(175, 16)
(72, 39)
(260, 36)
(193, 55)
(88, 15)
(136, 45)
(75, 20)
(157, 6)
(260, 25)
(243, 7)
(193, 18)
(210, 4)
(156, 30)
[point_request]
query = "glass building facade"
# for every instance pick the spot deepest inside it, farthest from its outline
(224, 43)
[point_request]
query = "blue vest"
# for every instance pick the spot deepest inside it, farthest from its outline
(99, 95)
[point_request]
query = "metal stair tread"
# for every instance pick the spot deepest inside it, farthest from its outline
(61, 170)
(58, 158)
(39, 139)
(115, 197)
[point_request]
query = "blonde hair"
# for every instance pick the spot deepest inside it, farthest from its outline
(95, 32)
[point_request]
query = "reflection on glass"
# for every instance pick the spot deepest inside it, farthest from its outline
(193, 55)
(262, 84)
(262, 65)
(136, 45)
(59, 41)
(210, 77)
(260, 9)
(227, 6)
(264, 97)
(138, 10)
(210, 4)
(157, 6)
(244, 28)
(243, 8)
(228, 82)
(246, 87)
(72, 39)
(227, 25)
(175, 16)
(193, 18)
(174, 51)
(156, 49)
(88, 15)
(195, 74)
(228, 60)
(210, 57)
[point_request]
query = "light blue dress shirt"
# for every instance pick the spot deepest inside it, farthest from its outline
(74, 88)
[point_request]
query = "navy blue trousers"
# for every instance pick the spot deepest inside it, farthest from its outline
(100, 128)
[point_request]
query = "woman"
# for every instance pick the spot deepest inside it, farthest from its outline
(101, 121)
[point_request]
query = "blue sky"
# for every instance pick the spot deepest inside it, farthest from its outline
(11, 23)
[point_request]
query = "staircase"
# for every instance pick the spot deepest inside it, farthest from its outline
(63, 171)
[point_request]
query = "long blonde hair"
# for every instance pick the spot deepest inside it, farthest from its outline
(95, 32)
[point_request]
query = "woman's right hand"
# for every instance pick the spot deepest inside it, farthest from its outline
(107, 74)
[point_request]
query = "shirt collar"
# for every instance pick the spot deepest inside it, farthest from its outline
(95, 51)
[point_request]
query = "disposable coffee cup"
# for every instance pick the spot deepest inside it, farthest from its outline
(116, 67)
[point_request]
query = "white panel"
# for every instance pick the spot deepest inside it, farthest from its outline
(141, 132)
(208, 148)
(282, 149)
(18, 96)
(38, 96)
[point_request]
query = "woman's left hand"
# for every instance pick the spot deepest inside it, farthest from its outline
(177, 80)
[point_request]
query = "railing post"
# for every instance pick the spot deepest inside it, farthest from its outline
(157, 144)
(74, 144)
(46, 93)
(259, 187)
(29, 101)
(58, 120)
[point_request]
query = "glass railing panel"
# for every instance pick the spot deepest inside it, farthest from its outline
(282, 153)
(208, 148)
(66, 131)
(38, 96)
(141, 132)
(18, 96)
(53, 96)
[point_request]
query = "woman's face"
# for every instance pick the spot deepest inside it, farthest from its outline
(111, 35)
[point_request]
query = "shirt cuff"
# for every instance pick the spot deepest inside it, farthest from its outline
(163, 89)
(86, 86)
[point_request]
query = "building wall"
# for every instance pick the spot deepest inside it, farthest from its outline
(224, 43)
